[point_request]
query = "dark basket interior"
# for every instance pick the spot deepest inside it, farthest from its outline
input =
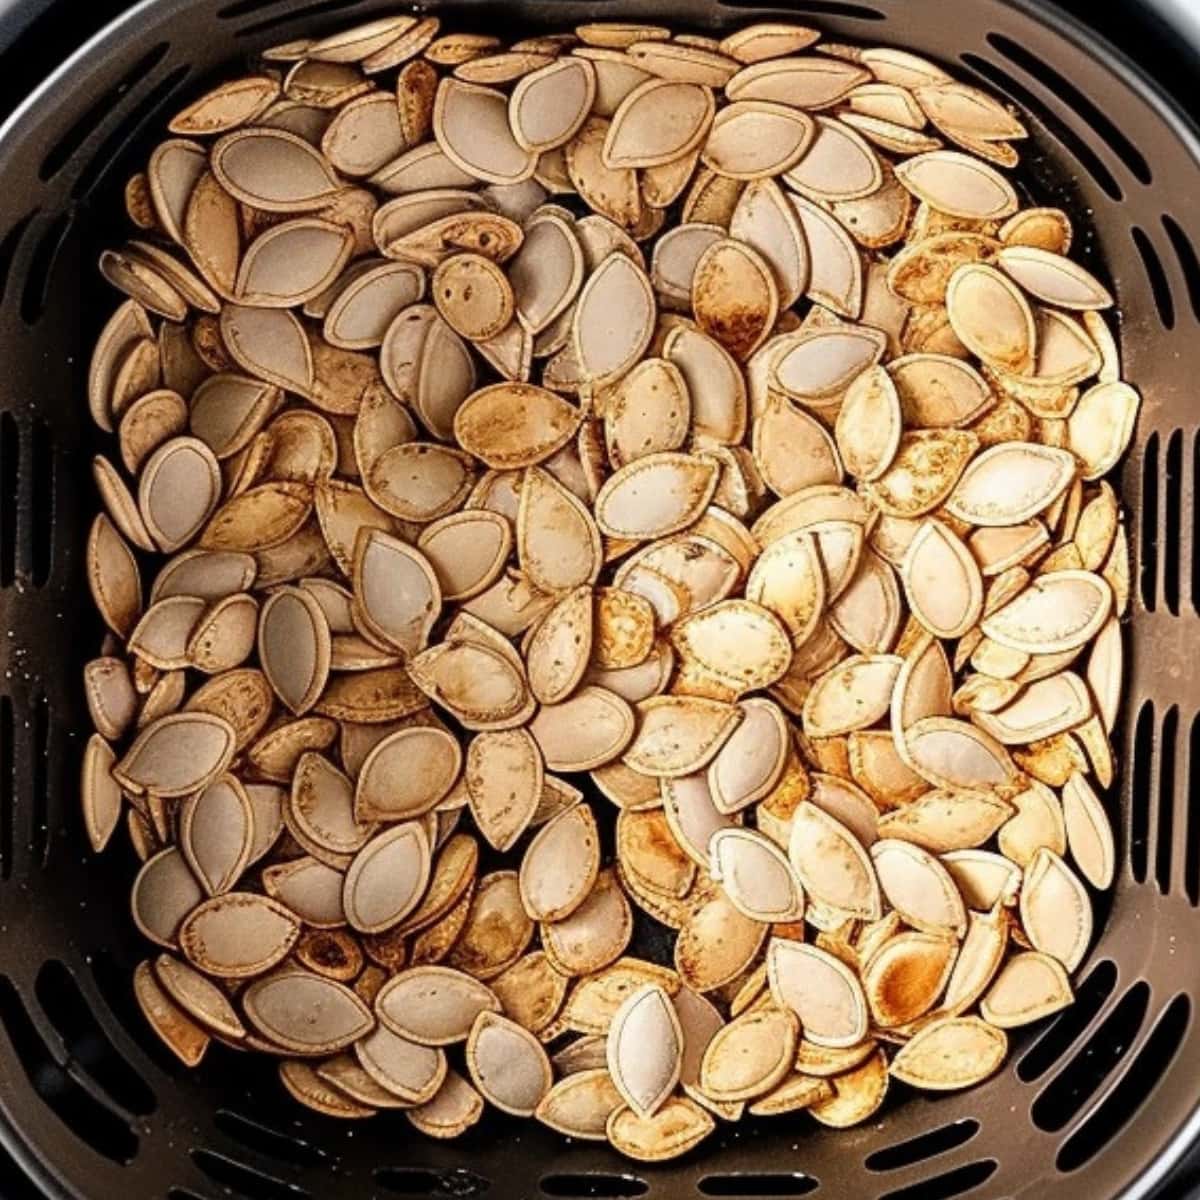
(1099, 1101)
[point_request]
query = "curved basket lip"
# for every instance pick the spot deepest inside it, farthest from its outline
(74, 70)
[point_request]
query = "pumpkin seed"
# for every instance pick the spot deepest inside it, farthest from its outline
(1028, 987)
(716, 944)
(614, 318)
(756, 875)
(958, 185)
(187, 1040)
(679, 1126)
(656, 495)
(411, 1072)
(507, 1064)
(645, 1049)
(580, 1104)
(820, 990)
(294, 647)
(734, 296)
(595, 934)
(953, 1053)
(1052, 278)
(561, 865)
(749, 1056)
(831, 863)
(471, 125)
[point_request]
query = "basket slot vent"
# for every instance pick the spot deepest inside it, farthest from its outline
(1074, 1085)
(262, 1139)
(1159, 287)
(1191, 871)
(1141, 776)
(1141, 1077)
(428, 1181)
(951, 1183)
(817, 8)
(40, 273)
(42, 515)
(1174, 486)
(1090, 997)
(8, 248)
(7, 790)
(1189, 263)
(87, 1047)
(1083, 154)
(10, 482)
(70, 142)
(786, 1184)
(1147, 547)
(90, 1120)
(241, 1180)
(1074, 99)
(39, 793)
(1166, 798)
(178, 1193)
(599, 1184)
(923, 1146)
(292, 15)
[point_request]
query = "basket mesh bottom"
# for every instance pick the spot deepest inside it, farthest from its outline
(1090, 1103)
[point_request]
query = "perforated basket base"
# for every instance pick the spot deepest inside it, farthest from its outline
(1099, 1102)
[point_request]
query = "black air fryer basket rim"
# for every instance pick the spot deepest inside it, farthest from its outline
(514, 1157)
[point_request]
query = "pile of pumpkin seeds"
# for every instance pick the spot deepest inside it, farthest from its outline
(622, 438)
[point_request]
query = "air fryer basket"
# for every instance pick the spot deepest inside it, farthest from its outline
(1099, 1102)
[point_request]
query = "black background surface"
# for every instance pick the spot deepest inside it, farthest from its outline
(1163, 36)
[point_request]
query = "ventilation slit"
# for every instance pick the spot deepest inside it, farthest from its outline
(1172, 549)
(41, 268)
(1166, 798)
(1087, 158)
(238, 1177)
(64, 149)
(790, 1184)
(110, 151)
(42, 517)
(1195, 529)
(1139, 793)
(1090, 997)
(599, 1184)
(88, 1048)
(1189, 264)
(1159, 287)
(818, 8)
(262, 1139)
(1191, 871)
(1075, 100)
(10, 478)
(88, 1119)
(8, 768)
(1075, 1084)
(951, 1183)
(244, 7)
(39, 793)
(1148, 1066)
(294, 15)
(923, 1146)
(1148, 542)
(8, 249)
(421, 1181)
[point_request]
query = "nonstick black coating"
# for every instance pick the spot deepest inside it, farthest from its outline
(1098, 1102)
